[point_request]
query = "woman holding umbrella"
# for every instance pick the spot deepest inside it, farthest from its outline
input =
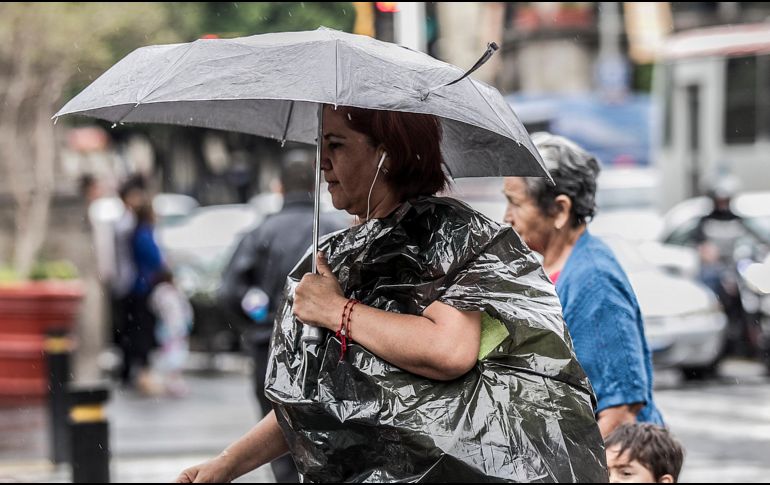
(446, 359)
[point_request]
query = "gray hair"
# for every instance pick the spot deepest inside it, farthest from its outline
(574, 172)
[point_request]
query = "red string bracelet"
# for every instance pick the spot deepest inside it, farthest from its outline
(344, 332)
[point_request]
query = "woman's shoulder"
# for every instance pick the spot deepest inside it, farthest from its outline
(453, 211)
(593, 261)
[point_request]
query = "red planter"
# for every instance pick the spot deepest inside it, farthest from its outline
(27, 312)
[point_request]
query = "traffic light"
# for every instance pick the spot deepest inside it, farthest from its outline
(384, 22)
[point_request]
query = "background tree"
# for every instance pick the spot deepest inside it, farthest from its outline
(50, 51)
(44, 49)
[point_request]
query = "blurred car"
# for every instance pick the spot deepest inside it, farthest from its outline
(684, 323)
(681, 221)
(750, 255)
(197, 248)
(683, 320)
(170, 208)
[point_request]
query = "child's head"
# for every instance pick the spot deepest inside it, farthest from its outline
(643, 453)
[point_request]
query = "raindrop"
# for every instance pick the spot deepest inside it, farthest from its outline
(418, 157)
(349, 118)
(283, 143)
(344, 12)
(235, 4)
(289, 13)
(55, 120)
(114, 125)
(79, 69)
(100, 446)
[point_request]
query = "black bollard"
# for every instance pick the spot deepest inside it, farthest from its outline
(58, 347)
(89, 432)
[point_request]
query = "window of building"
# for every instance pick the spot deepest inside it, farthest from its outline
(741, 100)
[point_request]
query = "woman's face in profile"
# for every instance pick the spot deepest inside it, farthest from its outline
(524, 215)
(349, 163)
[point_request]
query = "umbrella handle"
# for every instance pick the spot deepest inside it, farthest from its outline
(314, 334)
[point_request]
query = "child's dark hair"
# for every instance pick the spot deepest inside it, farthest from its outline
(651, 445)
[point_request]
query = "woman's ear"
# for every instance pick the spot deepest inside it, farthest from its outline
(562, 211)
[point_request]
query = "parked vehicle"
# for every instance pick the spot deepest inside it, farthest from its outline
(708, 86)
(755, 293)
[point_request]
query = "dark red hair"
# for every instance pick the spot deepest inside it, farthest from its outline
(413, 144)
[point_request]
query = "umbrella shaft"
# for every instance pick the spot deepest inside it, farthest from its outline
(313, 334)
(317, 191)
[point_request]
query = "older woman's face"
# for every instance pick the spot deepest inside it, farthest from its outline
(349, 163)
(524, 215)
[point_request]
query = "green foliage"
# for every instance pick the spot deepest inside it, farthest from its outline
(8, 275)
(42, 270)
(54, 270)
(233, 19)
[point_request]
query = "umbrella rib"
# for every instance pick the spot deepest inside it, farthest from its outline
(510, 131)
(288, 120)
(159, 81)
(336, 71)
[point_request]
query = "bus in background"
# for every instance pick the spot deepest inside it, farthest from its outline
(712, 90)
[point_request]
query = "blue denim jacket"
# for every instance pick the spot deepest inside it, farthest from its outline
(604, 320)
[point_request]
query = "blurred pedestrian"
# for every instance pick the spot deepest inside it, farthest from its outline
(253, 282)
(139, 334)
(643, 453)
(599, 305)
(717, 237)
(174, 319)
(123, 274)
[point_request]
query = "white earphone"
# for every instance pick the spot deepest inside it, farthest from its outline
(382, 160)
(384, 170)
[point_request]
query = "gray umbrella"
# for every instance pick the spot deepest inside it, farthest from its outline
(273, 85)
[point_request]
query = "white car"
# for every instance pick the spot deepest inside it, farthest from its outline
(681, 220)
(197, 248)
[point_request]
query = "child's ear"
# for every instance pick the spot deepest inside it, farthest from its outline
(667, 478)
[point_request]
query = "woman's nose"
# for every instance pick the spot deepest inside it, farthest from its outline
(508, 216)
(326, 163)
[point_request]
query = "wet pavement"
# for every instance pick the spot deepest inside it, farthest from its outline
(151, 440)
(724, 424)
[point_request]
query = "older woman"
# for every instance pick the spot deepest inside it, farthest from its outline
(600, 307)
(450, 361)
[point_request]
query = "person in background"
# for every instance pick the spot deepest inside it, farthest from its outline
(253, 282)
(643, 453)
(139, 333)
(123, 274)
(174, 318)
(716, 237)
(600, 307)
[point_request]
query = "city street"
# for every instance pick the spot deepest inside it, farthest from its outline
(724, 425)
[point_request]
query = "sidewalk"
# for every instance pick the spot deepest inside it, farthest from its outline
(151, 440)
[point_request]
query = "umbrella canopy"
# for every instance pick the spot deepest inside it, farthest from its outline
(270, 85)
